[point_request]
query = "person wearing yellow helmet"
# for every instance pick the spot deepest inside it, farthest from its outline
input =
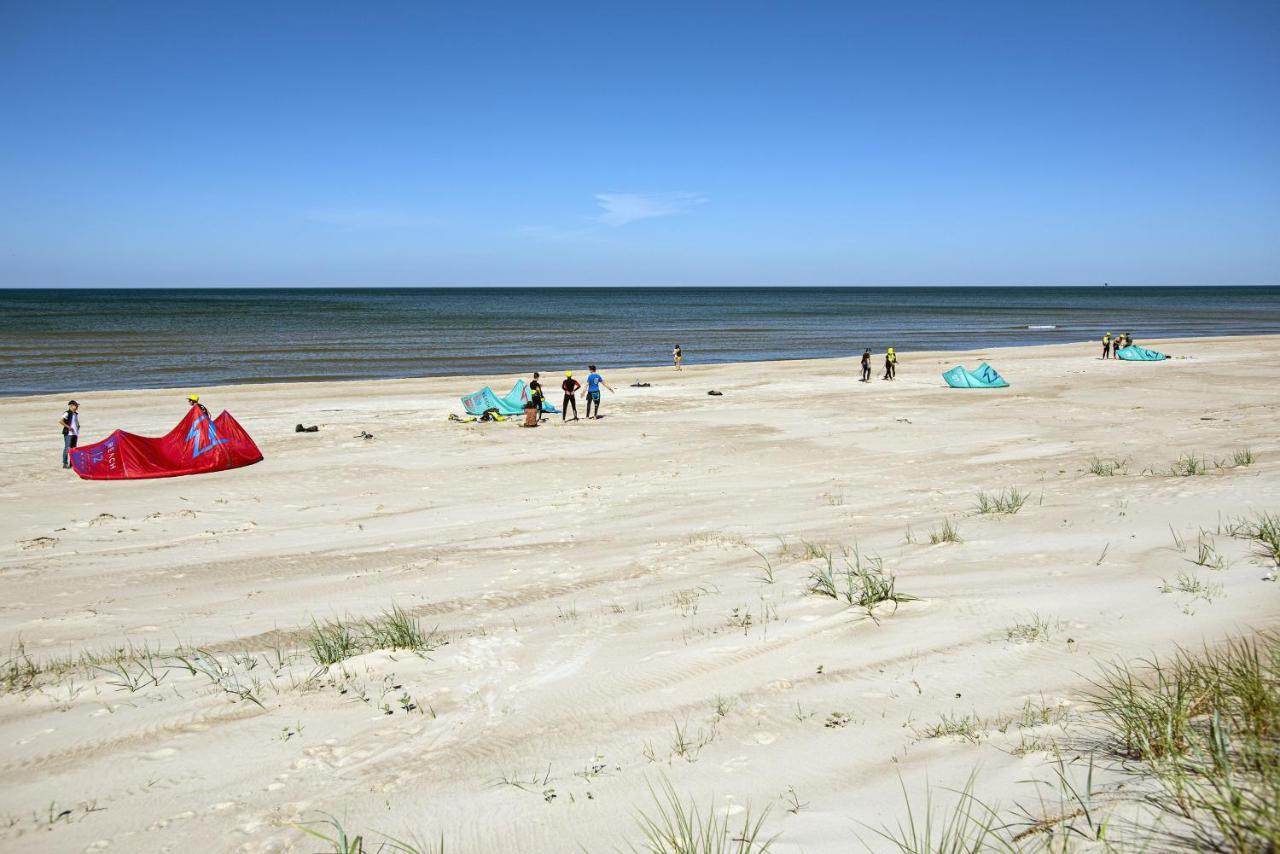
(890, 365)
(1106, 346)
(194, 400)
(570, 387)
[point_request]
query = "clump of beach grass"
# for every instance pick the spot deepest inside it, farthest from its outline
(336, 640)
(948, 534)
(1242, 457)
(1036, 630)
(966, 727)
(1207, 728)
(1207, 555)
(1194, 586)
(863, 581)
(968, 826)
(1008, 502)
(675, 827)
(1188, 465)
(1108, 466)
(331, 831)
(1263, 530)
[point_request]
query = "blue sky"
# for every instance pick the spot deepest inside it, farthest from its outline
(275, 144)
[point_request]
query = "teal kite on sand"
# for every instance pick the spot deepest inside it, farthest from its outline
(984, 377)
(1134, 353)
(480, 402)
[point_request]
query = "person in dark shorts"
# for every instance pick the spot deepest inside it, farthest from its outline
(70, 422)
(890, 365)
(866, 365)
(1106, 346)
(594, 381)
(535, 394)
(570, 387)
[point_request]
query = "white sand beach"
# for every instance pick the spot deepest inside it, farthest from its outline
(617, 602)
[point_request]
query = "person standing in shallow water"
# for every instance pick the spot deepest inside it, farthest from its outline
(70, 422)
(890, 365)
(678, 357)
(570, 387)
(866, 365)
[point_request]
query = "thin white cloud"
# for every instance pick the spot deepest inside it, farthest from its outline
(369, 219)
(622, 208)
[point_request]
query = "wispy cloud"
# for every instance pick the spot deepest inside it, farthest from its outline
(622, 208)
(369, 219)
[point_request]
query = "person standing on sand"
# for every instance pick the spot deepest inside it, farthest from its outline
(70, 422)
(570, 386)
(890, 365)
(194, 400)
(677, 357)
(594, 381)
(1106, 346)
(866, 365)
(535, 394)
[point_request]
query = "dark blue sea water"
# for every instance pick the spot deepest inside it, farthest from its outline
(67, 342)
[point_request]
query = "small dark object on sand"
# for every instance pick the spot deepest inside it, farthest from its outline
(312, 429)
(640, 385)
(362, 435)
(715, 393)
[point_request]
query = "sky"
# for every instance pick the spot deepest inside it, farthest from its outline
(430, 144)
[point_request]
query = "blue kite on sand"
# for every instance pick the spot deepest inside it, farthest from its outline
(480, 402)
(984, 377)
(1134, 353)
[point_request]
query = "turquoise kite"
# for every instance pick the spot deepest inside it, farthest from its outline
(483, 400)
(984, 377)
(1134, 353)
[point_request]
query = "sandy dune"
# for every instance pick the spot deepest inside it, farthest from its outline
(603, 600)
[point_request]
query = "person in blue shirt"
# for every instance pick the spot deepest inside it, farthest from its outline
(594, 381)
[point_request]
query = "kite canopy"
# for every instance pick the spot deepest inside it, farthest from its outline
(984, 377)
(197, 445)
(480, 402)
(1135, 353)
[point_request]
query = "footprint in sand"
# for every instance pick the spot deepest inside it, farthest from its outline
(38, 543)
(102, 519)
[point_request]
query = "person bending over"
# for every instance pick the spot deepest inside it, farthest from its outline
(594, 381)
(570, 386)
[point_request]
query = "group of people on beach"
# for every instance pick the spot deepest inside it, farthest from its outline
(70, 424)
(570, 387)
(1113, 344)
(890, 365)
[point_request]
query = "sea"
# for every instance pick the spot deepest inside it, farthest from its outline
(73, 341)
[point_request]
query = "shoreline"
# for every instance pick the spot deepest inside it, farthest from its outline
(490, 378)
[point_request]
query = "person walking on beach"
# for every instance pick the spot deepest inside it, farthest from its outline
(677, 357)
(570, 386)
(890, 365)
(535, 394)
(70, 422)
(866, 365)
(194, 400)
(594, 381)
(1106, 346)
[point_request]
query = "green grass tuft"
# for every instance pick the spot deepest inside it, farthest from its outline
(948, 534)
(677, 828)
(1008, 502)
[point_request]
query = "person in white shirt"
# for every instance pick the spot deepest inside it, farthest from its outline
(70, 422)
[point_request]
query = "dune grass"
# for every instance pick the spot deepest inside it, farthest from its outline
(336, 640)
(1107, 467)
(1264, 530)
(1008, 502)
(330, 831)
(1242, 457)
(676, 828)
(863, 581)
(948, 534)
(1036, 630)
(1188, 465)
(1206, 728)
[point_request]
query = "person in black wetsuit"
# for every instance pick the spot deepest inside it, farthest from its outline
(535, 394)
(570, 387)
(866, 365)
(194, 400)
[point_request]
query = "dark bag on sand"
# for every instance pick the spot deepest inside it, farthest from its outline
(312, 429)
(715, 393)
